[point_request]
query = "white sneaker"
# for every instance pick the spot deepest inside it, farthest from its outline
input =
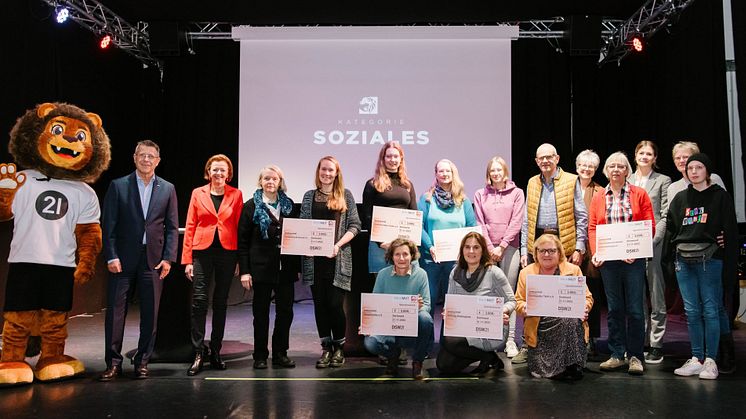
(511, 349)
(709, 370)
(691, 367)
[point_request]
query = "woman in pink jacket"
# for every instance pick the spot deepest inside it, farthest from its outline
(499, 209)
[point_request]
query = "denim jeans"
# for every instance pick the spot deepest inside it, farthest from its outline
(701, 289)
(390, 346)
(437, 277)
(624, 284)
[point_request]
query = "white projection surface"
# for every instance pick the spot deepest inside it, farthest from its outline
(443, 92)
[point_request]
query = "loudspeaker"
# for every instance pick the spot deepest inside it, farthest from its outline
(585, 34)
(165, 38)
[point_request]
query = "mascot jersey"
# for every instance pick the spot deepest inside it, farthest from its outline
(45, 232)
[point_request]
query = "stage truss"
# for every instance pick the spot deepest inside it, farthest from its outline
(616, 34)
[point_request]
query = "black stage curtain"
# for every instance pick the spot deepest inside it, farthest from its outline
(673, 91)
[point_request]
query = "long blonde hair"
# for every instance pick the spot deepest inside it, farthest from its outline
(336, 201)
(457, 186)
(381, 179)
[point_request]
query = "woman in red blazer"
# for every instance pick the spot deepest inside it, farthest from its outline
(624, 280)
(210, 244)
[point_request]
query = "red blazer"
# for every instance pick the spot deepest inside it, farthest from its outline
(202, 220)
(642, 209)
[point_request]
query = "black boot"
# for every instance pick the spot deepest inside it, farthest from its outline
(727, 362)
(338, 357)
(216, 361)
(196, 366)
(326, 357)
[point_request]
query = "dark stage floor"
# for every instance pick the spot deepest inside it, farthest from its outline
(353, 391)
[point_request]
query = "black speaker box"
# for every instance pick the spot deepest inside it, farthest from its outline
(165, 38)
(585, 34)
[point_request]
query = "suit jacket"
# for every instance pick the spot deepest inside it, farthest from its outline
(657, 189)
(261, 257)
(202, 220)
(123, 223)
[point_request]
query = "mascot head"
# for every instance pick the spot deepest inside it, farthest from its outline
(62, 141)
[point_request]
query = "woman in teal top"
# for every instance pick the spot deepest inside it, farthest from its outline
(403, 276)
(443, 206)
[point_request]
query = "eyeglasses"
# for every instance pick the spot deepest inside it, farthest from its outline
(547, 158)
(143, 156)
(546, 251)
(585, 166)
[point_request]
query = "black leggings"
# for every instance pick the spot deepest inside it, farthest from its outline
(456, 354)
(328, 306)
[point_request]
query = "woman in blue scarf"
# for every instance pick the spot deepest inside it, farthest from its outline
(263, 268)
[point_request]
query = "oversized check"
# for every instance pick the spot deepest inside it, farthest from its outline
(307, 237)
(621, 241)
(395, 223)
(447, 242)
(555, 296)
(473, 316)
(388, 314)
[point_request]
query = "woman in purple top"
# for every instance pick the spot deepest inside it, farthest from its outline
(499, 208)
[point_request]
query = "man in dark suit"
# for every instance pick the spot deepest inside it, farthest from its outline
(140, 225)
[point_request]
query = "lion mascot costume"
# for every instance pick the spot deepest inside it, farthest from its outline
(56, 232)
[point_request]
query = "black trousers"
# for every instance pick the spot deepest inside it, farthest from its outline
(455, 355)
(149, 288)
(209, 263)
(328, 307)
(284, 296)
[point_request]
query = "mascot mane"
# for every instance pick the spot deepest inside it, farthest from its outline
(24, 138)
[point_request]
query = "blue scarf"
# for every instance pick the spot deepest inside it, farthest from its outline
(261, 212)
(443, 198)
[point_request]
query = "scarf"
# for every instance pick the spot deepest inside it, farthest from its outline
(443, 198)
(472, 282)
(261, 212)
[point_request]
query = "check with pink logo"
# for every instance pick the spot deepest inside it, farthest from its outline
(619, 241)
(388, 314)
(473, 316)
(389, 224)
(555, 296)
(307, 237)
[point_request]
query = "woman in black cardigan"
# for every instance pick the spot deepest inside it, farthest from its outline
(263, 268)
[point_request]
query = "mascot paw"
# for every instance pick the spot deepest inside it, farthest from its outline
(15, 373)
(58, 367)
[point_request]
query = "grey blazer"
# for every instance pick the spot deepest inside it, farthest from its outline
(657, 189)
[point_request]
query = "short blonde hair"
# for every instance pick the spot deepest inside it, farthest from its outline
(618, 157)
(219, 157)
(689, 145)
(273, 168)
(589, 156)
(547, 238)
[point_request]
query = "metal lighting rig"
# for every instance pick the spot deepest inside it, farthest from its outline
(649, 19)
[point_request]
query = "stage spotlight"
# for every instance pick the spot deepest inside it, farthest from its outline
(638, 45)
(105, 41)
(62, 14)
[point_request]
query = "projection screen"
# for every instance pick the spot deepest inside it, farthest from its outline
(443, 92)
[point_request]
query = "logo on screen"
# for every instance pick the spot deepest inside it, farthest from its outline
(368, 105)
